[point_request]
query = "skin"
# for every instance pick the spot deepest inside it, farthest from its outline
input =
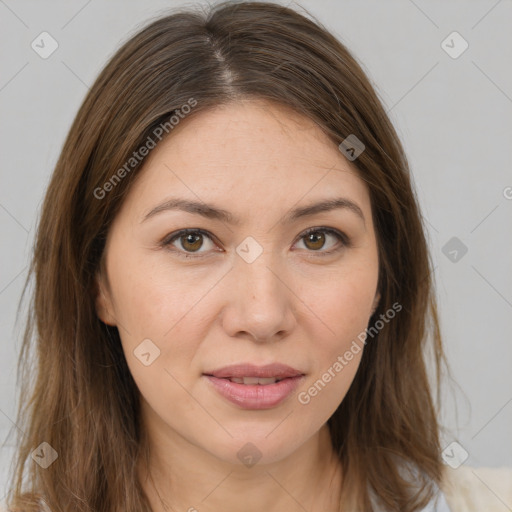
(291, 305)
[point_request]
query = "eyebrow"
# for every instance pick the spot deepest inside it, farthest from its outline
(212, 212)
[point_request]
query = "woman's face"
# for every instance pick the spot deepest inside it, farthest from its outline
(247, 292)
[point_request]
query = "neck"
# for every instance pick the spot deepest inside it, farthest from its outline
(183, 477)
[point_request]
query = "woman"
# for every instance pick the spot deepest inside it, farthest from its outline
(233, 294)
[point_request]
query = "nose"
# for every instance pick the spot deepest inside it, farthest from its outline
(260, 304)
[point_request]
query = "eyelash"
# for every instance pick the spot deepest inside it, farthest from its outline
(168, 240)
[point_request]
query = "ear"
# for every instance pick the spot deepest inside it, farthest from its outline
(375, 302)
(103, 300)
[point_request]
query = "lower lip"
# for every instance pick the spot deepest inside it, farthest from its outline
(256, 396)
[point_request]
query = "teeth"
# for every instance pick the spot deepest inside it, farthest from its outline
(251, 381)
(268, 380)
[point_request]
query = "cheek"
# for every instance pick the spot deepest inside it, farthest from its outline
(150, 300)
(158, 326)
(340, 311)
(160, 343)
(342, 304)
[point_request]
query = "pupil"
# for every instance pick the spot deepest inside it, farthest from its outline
(315, 238)
(189, 238)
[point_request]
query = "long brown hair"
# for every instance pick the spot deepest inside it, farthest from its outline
(80, 397)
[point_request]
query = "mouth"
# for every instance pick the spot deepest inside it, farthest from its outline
(275, 371)
(255, 387)
(253, 381)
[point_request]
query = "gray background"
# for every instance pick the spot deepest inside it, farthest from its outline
(452, 114)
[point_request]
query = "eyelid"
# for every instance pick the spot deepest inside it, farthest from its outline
(340, 235)
(169, 239)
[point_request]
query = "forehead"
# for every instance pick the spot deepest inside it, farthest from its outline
(251, 153)
(249, 131)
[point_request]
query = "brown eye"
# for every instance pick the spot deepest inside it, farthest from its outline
(315, 240)
(190, 240)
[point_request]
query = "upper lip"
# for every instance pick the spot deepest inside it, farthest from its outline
(277, 370)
